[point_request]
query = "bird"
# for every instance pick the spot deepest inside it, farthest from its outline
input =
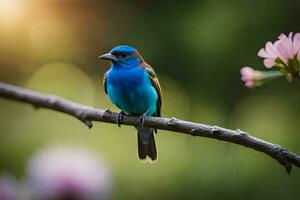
(132, 85)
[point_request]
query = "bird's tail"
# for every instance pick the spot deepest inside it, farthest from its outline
(146, 143)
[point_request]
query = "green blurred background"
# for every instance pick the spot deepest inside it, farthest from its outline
(196, 48)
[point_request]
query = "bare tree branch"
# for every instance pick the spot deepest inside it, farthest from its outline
(88, 114)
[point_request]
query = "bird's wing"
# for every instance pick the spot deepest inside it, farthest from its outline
(104, 81)
(155, 83)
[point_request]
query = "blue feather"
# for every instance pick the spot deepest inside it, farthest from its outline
(131, 90)
(123, 49)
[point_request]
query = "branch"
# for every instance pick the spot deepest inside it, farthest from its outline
(88, 114)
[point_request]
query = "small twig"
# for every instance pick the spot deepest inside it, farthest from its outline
(88, 114)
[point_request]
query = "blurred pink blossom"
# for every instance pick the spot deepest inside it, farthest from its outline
(58, 173)
(285, 48)
(249, 76)
(296, 43)
(270, 54)
(8, 187)
(283, 53)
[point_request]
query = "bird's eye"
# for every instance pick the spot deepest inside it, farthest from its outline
(122, 55)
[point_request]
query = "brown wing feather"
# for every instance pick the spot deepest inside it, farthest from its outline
(155, 83)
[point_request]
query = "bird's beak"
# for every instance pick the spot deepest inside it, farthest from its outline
(108, 56)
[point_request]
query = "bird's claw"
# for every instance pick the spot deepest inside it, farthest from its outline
(120, 118)
(107, 111)
(142, 119)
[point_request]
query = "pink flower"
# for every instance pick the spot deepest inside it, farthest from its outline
(8, 187)
(283, 53)
(59, 173)
(270, 54)
(296, 43)
(247, 73)
(285, 49)
(249, 76)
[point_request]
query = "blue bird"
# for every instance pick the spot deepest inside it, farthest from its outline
(132, 85)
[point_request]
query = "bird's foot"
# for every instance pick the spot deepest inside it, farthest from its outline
(120, 118)
(142, 119)
(107, 111)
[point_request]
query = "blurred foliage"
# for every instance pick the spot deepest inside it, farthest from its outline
(196, 48)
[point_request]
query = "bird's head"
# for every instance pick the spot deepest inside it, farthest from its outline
(123, 54)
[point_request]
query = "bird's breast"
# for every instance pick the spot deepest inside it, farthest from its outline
(123, 78)
(131, 90)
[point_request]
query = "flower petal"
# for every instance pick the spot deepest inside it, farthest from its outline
(271, 50)
(263, 54)
(249, 84)
(285, 47)
(296, 43)
(269, 62)
(247, 73)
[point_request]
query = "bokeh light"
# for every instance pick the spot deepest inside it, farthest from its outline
(10, 10)
(9, 188)
(50, 35)
(68, 172)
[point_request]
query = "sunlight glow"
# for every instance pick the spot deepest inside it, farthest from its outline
(10, 9)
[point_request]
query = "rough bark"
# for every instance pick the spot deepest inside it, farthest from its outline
(88, 114)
